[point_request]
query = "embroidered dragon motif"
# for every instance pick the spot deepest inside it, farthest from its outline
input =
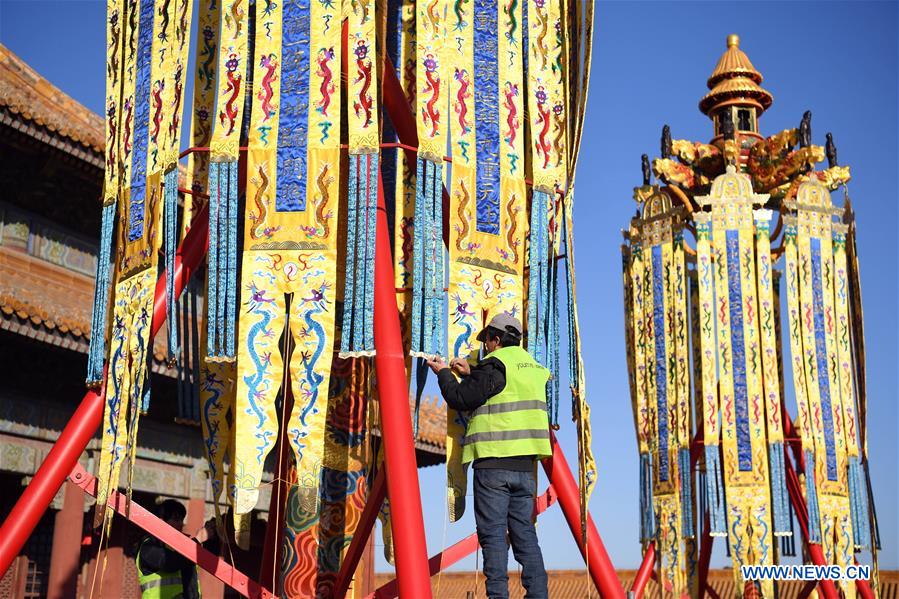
(430, 113)
(129, 119)
(512, 23)
(364, 101)
(322, 198)
(229, 114)
(164, 27)
(512, 211)
(175, 123)
(259, 230)
(559, 128)
(233, 19)
(433, 17)
(540, 49)
(460, 15)
(462, 229)
(110, 141)
(408, 247)
(325, 55)
(461, 108)
(270, 64)
(543, 146)
(207, 71)
(510, 93)
(115, 31)
(156, 94)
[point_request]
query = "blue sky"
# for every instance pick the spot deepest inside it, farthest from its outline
(650, 64)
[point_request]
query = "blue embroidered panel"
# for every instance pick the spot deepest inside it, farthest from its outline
(141, 121)
(294, 124)
(741, 397)
(821, 355)
(658, 323)
(486, 107)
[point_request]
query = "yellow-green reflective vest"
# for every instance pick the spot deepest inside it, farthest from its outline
(159, 585)
(514, 421)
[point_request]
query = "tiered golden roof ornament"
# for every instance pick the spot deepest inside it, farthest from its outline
(703, 330)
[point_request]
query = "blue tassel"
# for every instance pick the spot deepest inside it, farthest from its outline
(417, 347)
(429, 270)
(715, 491)
(371, 213)
(686, 491)
(360, 234)
(647, 526)
(170, 218)
(779, 499)
(97, 352)
(858, 497)
(231, 270)
(538, 285)
(427, 261)
(221, 280)
(439, 297)
(351, 240)
(811, 498)
(212, 288)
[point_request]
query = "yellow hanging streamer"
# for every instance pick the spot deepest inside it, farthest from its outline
(290, 245)
(740, 373)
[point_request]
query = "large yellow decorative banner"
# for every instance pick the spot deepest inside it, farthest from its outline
(740, 373)
(290, 245)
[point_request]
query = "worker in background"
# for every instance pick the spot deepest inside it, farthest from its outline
(507, 432)
(162, 572)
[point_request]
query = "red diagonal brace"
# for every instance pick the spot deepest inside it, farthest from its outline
(594, 552)
(81, 427)
(173, 538)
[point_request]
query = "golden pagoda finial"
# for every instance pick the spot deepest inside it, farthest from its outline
(736, 83)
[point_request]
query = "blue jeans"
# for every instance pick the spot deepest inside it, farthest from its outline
(504, 500)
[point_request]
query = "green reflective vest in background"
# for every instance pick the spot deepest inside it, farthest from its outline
(159, 585)
(514, 421)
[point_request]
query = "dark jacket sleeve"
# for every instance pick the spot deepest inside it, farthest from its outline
(486, 380)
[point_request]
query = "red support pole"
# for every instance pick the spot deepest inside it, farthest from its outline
(598, 563)
(24, 516)
(396, 423)
(364, 528)
(645, 571)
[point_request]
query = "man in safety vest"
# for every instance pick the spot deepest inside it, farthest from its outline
(507, 432)
(162, 572)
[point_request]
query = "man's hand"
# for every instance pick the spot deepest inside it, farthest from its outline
(436, 363)
(460, 366)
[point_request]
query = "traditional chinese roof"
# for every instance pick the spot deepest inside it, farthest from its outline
(26, 96)
(735, 80)
(52, 304)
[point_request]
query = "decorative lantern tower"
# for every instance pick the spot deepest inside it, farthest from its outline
(748, 200)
